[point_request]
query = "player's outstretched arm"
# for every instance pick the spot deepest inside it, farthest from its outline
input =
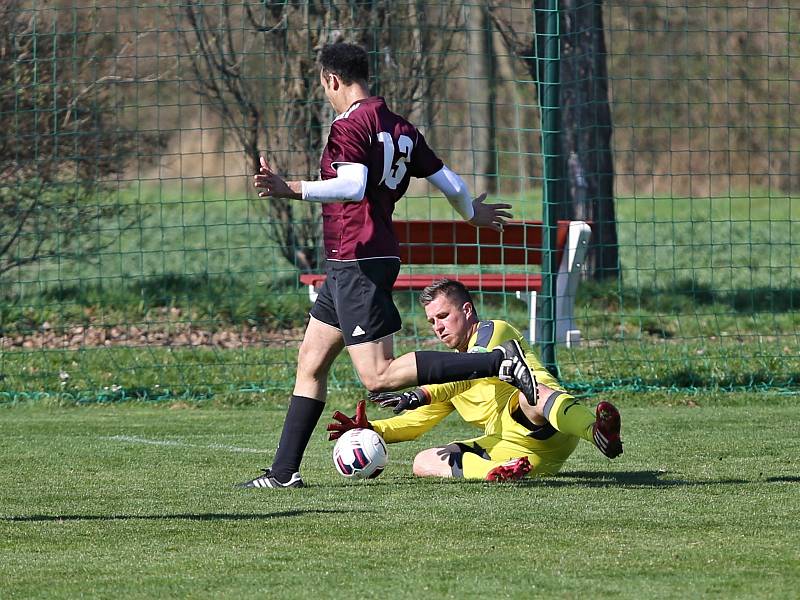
(493, 216)
(349, 185)
(273, 185)
(474, 210)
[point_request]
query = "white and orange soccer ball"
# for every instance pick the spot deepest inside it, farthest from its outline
(360, 454)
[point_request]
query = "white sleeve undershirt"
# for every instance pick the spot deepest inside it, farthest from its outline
(348, 185)
(455, 190)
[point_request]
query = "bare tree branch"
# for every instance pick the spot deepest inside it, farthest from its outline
(54, 171)
(263, 83)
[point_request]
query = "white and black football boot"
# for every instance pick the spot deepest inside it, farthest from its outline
(266, 480)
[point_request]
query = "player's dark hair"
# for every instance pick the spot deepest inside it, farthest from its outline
(453, 290)
(348, 61)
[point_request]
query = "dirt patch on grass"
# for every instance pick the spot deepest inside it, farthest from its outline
(179, 335)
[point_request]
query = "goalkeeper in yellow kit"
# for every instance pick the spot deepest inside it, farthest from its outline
(520, 435)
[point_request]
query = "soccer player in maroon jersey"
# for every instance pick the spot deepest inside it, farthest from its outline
(366, 167)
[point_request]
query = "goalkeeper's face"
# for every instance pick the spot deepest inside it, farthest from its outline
(452, 323)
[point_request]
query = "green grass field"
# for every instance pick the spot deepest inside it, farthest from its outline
(136, 501)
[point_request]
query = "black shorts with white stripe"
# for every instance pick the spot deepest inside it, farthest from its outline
(356, 298)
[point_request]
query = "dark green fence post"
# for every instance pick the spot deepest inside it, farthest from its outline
(548, 50)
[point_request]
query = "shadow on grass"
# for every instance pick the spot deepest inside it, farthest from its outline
(685, 295)
(167, 517)
(609, 479)
(640, 479)
(634, 479)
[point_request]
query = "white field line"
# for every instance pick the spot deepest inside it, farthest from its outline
(132, 439)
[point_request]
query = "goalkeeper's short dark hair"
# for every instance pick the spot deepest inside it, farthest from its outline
(348, 61)
(454, 290)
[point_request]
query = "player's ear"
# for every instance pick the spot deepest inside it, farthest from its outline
(468, 309)
(327, 78)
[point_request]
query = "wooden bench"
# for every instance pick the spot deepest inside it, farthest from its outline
(459, 244)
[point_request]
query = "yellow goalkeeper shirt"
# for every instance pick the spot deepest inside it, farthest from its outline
(480, 402)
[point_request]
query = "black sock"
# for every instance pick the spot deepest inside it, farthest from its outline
(301, 419)
(442, 367)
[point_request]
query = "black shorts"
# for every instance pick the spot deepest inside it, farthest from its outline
(356, 298)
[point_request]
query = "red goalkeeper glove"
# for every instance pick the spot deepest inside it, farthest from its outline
(343, 423)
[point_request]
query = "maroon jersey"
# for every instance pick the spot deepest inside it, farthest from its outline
(393, 151)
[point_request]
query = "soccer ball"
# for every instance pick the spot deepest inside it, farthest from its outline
(360, 454)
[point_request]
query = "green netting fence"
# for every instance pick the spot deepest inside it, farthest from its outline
(137, 262)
